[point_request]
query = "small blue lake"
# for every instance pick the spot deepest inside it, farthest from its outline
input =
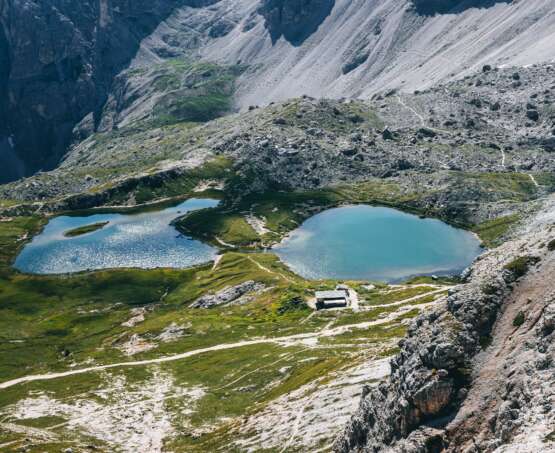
(376, 243)
(145, 240)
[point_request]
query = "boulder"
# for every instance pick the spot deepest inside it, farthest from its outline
(387, 134)
(227, 295)
(533, 115)
(495, 107)
(403, 164)
(349, 150)
(432, 398)
(426, 132)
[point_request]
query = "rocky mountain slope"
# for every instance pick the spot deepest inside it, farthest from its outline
(365, 46)
(72, 68)
(466, 150)
(58, 62)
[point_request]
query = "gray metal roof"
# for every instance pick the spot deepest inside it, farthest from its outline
(331, 294)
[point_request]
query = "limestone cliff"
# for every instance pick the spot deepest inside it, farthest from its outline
(295, 20)
(57, 62)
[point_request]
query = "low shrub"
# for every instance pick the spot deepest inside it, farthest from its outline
(519, 266)
(291, 303)
(519, 319)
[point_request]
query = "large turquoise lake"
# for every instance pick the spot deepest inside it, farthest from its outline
(145, 240)
(376, 243)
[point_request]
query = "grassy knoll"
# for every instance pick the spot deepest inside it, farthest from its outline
(217, 227)
(148, 190)
(345, 119)
(194, 91)
(14, 232)
(505, 186)
(7, 203)
(282, 211)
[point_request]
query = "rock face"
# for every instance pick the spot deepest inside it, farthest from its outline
(477, 373)
(227, 295)
(444, 6)
(295, 20)
(364, 47)
(57, 62)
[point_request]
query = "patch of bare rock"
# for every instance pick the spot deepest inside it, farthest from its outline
(237, 294)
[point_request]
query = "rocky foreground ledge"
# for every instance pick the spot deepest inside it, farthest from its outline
(475, 374)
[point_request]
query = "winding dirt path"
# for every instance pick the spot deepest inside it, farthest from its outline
(533, 180)
(408, 107)
(265, 269)
(410, 299)
(420, 117)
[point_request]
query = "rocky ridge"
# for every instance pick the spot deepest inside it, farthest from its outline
(228, 295)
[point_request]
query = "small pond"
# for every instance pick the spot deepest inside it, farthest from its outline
(376, 243)
(144, 240)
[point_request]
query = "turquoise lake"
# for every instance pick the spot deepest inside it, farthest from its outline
(145, 240)
(377, 244)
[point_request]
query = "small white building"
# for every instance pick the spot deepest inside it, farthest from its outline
(332, 299)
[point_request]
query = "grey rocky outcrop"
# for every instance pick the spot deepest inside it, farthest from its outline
(228, 295)
(445, 6)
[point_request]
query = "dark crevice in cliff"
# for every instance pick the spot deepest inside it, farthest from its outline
(432, 7)
(295, 20)
(5, 66)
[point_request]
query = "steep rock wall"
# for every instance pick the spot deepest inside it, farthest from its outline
(445, 6)
(295, 20)
(63, 55)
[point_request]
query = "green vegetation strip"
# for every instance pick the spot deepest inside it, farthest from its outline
(79, 231)
(491, 231)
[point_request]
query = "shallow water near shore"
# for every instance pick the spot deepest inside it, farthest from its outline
(376, 243)
(142, 240)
